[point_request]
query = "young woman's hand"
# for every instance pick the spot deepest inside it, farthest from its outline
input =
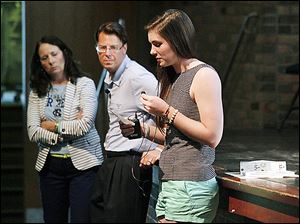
(48, 125)
(154, 105)
(149, 158)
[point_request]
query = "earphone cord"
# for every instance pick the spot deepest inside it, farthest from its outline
(138, 181)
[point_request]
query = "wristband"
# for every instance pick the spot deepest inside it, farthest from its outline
(56, 127)
(165, 114)
(173, 117)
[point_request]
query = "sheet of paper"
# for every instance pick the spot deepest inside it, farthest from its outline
(262, 165)
(251, 175)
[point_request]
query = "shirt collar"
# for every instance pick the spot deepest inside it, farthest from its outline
(117, 77)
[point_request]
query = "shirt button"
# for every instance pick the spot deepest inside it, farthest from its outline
(53, 141)
(63, 130)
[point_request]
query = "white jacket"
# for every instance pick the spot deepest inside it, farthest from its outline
(83, 138)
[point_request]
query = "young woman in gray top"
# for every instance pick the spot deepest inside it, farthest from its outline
(189, 119)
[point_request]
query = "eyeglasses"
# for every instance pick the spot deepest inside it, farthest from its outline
(102, 49)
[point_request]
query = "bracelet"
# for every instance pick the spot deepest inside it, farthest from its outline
(165, 114)
(56, 127)
(173, 117)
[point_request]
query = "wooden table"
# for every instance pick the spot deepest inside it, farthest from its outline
(269, 200)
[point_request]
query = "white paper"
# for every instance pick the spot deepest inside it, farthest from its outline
(262, 166)
(262, 169)
(263, 174)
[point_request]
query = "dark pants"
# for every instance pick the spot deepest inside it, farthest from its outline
(63, 187)
(122, 190)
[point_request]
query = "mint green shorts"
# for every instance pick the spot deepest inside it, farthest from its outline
(188, 201)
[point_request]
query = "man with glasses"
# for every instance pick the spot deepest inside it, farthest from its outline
(123, 183)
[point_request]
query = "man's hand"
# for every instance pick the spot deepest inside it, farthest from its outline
(126, 129)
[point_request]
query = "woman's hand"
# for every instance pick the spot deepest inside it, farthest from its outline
(48, 125)
(154, 105)
(79, 114)
(151, 157)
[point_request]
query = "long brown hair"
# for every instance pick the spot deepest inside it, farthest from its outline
(177, 28)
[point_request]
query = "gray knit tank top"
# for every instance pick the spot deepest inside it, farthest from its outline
(183, 158)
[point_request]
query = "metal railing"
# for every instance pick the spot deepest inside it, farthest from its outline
(243, 30)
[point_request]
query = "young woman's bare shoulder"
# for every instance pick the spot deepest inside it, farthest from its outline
(206, 75)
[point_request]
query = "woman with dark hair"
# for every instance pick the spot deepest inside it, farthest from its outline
(61, 113)
(189, 119)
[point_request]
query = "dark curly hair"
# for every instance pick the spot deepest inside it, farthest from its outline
(40, 81)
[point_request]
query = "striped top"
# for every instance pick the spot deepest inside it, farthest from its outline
(184, 158)
(54, 110)
(82, 137)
